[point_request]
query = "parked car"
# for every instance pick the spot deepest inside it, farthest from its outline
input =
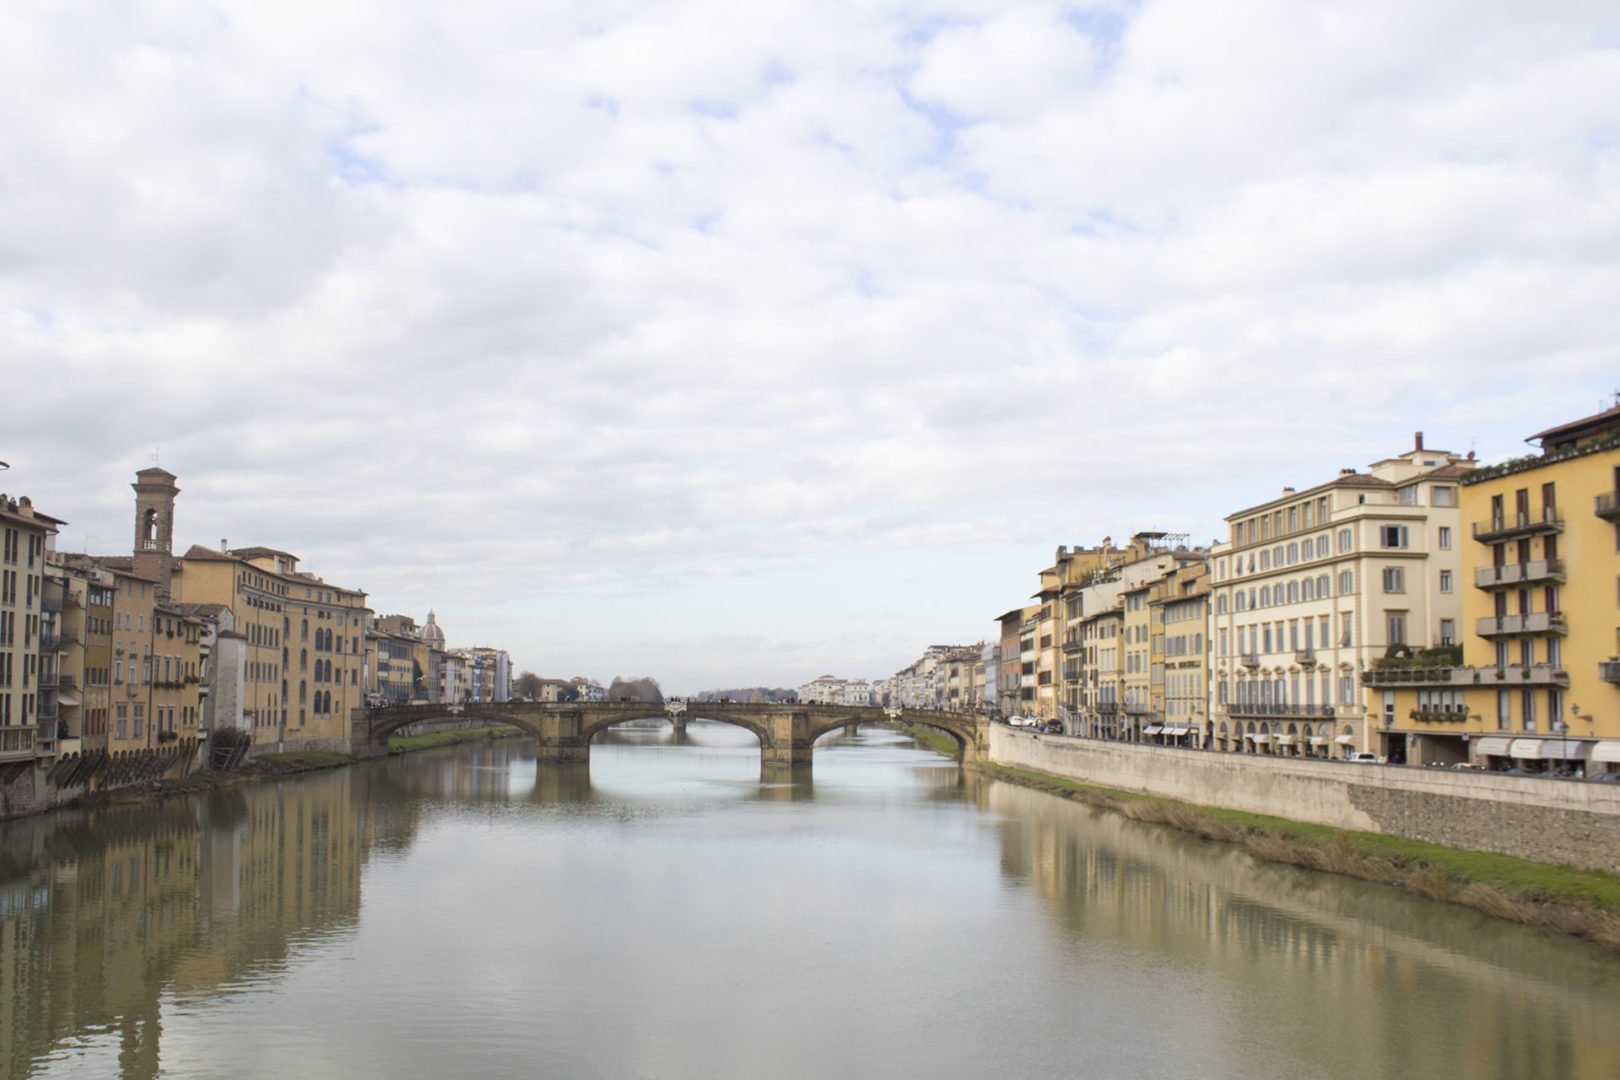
(1469, 765)
(1605, 778)
(1362, 758)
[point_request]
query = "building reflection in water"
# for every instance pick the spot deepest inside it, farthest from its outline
(1258, 939)
(104, 912)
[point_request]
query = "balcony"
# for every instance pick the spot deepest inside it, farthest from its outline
(1492, 577)
(1518, 525)
(1305, 657)
(67, 682)
(50, 603)
(1249, 659)
(1444, 715)
(49, 640)
(1525, 675)
(1412, 676)
(47, 708)
(1537, 622)
(67, 636)
(1107, 707)
(1138, 709)
(17, 743)
(1607, 506)
(1609, 671)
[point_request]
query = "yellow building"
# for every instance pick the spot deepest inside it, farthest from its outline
(134, 609)
(303, 636)
(1180, 652)
(1136, 675)
(1539, 682)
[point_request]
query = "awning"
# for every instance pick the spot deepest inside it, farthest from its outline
(1249, 735)
(1564, 749)
(66, 697)
(1491, 746)
(1285, 740)
(1152, 729)
(1345, 740)
(1261, 737)
(1525, 748)
(1317, 740)
(1607, 750)
(1175, 730)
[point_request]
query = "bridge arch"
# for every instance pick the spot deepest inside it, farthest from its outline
(964, 733)
(598, 721)
(385, 721)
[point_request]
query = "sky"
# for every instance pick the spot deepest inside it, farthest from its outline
(737, 344)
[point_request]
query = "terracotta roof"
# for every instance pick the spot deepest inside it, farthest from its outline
(1606, 418)
(1448, 472)
(207, 554)
(37, 520)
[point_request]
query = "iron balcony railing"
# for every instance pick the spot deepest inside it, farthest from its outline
(1607, 506)
(1491, 577)
(1609, 670)
(1304, 656)
(1249, 659)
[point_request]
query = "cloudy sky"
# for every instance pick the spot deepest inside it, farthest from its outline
(735, 343)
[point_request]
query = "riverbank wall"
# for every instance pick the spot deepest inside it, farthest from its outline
(31, 787)
(1548, 821)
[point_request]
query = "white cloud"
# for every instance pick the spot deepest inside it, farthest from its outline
(590, 325)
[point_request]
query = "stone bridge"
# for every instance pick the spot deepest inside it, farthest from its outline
(563, 732)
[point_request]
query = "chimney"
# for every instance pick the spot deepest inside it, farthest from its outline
(1417, 441)
(1347, 472)
(224, 545)
(1288, 491)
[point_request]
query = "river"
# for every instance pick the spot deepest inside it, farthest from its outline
(668, 912)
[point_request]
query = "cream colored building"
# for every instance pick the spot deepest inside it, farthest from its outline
(1311, 587)
(1180, 606)
(25, 537)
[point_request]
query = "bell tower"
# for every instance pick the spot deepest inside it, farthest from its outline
(154, 526)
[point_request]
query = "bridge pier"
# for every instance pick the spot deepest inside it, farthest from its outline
(790, 744)
(852, 729)
(561, 739)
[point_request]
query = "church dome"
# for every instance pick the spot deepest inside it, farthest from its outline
(433, 633)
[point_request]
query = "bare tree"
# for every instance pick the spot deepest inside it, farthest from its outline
(528, 686)
(642, 688)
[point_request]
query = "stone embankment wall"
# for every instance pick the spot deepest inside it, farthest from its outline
(29, 788)
(1555, 821)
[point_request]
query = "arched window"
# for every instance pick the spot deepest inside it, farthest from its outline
(303, 659)
(303, 630)
(326, 700)
(303, 693)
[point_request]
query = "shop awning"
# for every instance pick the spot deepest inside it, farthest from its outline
(1152, 729)
(1261, 737)
(1285, 740)
(1491, 746)
(1607, 750)
(1561, 749)
(1317, 740)
(1345, 740)
(1175, 729)
(1528, 749)
(65, 697)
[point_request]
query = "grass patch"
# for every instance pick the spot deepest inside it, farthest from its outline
(936, 741)
(1585, 903)
(405, 744)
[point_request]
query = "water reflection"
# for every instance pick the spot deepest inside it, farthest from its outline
(1397, 985)
(469, 912)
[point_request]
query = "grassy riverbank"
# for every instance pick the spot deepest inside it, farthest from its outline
(934, 740)
(1585, 903)
(406, 744)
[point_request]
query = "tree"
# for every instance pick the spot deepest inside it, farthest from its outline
(644, 688)
(528, 686)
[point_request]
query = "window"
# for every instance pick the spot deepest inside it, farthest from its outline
(1444, 496)
(1448, 632)
(1347, 582)
(1444, 540)
(1345, 540)
(1527, 709)
(1394, 579)
(1445, 581)
(1395, 627)
(1408, 495)
(1392, 536)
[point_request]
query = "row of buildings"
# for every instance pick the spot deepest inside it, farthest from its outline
(1427, 610)
(113, 654)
